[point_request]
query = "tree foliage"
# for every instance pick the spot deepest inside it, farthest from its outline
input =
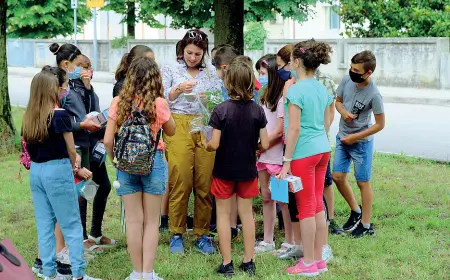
(396, 18)
(254, 36)
(44, 19)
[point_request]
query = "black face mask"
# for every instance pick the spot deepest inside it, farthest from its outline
(356, 77)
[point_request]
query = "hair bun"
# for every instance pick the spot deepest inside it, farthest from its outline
(54, 48)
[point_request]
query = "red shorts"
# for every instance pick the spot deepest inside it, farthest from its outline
(224, 189)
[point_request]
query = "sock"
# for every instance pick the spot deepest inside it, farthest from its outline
(136, 275)
(148, 275)
(308, 264)
(357, 210)
(366, 226)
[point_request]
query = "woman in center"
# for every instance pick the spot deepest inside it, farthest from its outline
(190, 165)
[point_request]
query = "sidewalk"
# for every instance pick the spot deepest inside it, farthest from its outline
(424, 96)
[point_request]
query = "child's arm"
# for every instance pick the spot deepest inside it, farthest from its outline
(70, 146)
(108, 141)
(327, 120)
(264, 137)
(169, 127)
(213, 144)
(293, 135)
(277, 133)
(378, 126)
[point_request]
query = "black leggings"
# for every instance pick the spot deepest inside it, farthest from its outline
(293, 210)
(100, 176)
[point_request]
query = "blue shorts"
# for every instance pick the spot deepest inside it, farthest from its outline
(361, 153)
(154, 183)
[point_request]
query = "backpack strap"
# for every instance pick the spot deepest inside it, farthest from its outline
(157, 138)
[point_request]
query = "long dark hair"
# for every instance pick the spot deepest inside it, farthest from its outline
(275, 87)
(197, 38)
(127, 59)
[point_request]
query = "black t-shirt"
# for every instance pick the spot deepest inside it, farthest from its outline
(54, 147)
(239, 123)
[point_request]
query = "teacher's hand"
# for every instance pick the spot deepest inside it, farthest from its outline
(187, 86)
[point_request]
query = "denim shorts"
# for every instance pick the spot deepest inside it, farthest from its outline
(154, 183)
(361, 153)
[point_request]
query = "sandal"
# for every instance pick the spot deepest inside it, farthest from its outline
(94, 249)
(283, 249)
(98, 241)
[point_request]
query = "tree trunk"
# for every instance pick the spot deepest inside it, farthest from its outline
(131, 19)
(7, 130)
(229, 23)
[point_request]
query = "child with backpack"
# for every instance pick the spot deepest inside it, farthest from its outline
(47, 131)
(235, 163)
(136, 118)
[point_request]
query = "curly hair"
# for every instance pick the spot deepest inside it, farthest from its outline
(312, 53)
(142, 86)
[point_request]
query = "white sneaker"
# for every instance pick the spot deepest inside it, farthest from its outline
(153, 276)
(327, 253)
(133, 276)
(59, 277)
(284, 247)
(263, 247)
(295, 252)
(86, 277)
(63, 256)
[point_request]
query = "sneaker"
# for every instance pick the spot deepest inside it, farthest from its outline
(235, 234)
(334, 228)
(263, 247)
(177, 244)
(248, 267)
(63, 256)
(164, 226)
(226, 270)
(133, 276)
(295, 252)
(37, 268)
(321, 266)
(284, 247)
(64, 269)
(361, 231)
(204, 245)
(302, 270)
(353, 221)
(327, 253)
(63, 277)
(87, 277)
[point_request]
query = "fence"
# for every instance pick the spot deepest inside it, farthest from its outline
(406, 62)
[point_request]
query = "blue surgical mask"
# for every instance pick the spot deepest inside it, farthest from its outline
(76, 74)
(294, 74)
(283, 74)
(264, 80)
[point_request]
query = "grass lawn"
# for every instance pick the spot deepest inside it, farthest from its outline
(411, 217)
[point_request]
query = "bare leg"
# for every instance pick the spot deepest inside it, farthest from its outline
(367, 200)
(165, 202)
(223, 209)
(134, 217)
(321, 235)
(234, 212)
(245, 208)
(297, 233)
(269, 207)
(151, 204)
(328, 192)
(288, 230)
(340, 179)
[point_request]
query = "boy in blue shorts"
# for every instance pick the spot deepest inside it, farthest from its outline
(357, 97)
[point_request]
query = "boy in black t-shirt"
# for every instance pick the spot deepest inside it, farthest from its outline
(238, 124)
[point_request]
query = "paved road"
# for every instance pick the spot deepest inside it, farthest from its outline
(418, 130)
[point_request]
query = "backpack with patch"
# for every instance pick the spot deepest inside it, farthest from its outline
(134, 148)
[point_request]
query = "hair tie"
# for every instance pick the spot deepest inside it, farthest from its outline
(265, 62)
(57, 50)
(302, 50)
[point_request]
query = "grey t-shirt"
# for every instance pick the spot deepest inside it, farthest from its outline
(361, 102)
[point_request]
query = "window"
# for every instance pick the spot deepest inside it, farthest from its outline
(335, 19)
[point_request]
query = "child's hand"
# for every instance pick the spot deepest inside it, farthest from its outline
(84, 174)
(290, 187)
(78, 160)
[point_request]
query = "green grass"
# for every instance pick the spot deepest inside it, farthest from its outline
(411, 217)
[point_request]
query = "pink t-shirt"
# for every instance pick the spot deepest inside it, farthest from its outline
(274, 155)
(162, 116)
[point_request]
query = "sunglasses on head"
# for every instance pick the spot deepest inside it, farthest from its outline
(193, 34)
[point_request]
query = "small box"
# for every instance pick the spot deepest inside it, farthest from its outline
(296, 182)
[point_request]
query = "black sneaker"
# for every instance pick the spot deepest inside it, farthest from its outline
(249, 268)
(64, 269)
(37, 268)
(226, 270)
(361, 231)
(353, 221)
(334, 228)
(164, 226)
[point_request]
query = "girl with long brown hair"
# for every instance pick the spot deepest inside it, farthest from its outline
(142, 194)
(47, 130)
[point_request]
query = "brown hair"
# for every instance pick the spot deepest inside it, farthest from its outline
(285, 53)
(224, 55)
(44, 94)
(240, 80)
(265, 57)
(60, 73)
(367, 58)
(127, 59)
(143, 85)
(275, 87)
(198, 38)
(312, 53)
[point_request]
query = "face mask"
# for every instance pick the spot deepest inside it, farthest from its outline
(264, 80)
(294, 74)
(356, 77)
(283, 74)
(76, 74)
(64, 94)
